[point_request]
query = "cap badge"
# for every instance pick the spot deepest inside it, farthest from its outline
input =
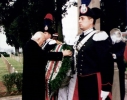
(83, 8)
(46, 27)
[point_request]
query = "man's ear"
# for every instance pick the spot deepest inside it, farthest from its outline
(38, 40)
(91, 20)
(49, 35)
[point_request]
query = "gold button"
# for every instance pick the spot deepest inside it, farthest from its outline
(80, 73)
(80, 69)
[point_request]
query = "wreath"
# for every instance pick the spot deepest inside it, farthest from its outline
(58, 70)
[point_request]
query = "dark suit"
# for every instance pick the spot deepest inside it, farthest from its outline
(94, 68)
(34, 62)
(118, 50)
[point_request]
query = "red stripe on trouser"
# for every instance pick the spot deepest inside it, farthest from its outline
(99, 85)
(52, 98)
(75, 95)
(110, 95)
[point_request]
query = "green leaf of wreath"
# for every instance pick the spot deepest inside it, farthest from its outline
(56, 83)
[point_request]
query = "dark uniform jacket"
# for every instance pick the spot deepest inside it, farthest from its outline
(34, 62)
(118, 49)
(95, 56)
(49, 45)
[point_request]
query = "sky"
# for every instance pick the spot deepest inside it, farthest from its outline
(3, 45)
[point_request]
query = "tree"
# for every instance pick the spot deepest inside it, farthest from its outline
(22, 19)
(115, 15)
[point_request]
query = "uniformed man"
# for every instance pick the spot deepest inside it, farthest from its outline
(50, 43)
(92, 59)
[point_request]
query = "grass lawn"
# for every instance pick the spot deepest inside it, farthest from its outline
(3, 69)
(17, 65)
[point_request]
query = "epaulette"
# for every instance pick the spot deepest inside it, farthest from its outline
(100, 36)
(52, 42)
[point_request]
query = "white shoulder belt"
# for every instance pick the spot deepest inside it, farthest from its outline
(81, 43)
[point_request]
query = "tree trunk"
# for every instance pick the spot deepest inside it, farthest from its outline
(59, 30)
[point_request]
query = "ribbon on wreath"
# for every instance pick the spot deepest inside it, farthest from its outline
(56, 72)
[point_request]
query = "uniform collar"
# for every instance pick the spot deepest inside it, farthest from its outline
(87, 31)
(48, 40)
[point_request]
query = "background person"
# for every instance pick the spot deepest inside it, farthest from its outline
(50, 43)
(49, 33)
(118, 49)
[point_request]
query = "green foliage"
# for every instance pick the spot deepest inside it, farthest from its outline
(113, 15)
(4, 54)
(12, 80)
(61, 76)
(8, 81)
(18, 81)
(25, 17)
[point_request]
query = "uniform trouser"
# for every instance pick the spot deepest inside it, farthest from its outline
(89, 87)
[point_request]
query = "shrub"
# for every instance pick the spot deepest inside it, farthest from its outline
(18, 81)
(12, 80)
(4, 54)
(8, 80)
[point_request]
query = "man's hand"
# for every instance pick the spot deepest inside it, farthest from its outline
(104, 94)
(67, 53)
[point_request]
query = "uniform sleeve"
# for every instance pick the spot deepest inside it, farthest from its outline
(49, 47)
(56, 56)
(105, 63)
(73, 69)
(121, 47)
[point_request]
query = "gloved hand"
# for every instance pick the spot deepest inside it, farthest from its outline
(104, 94)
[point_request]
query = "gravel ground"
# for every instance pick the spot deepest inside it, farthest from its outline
(12, 98)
